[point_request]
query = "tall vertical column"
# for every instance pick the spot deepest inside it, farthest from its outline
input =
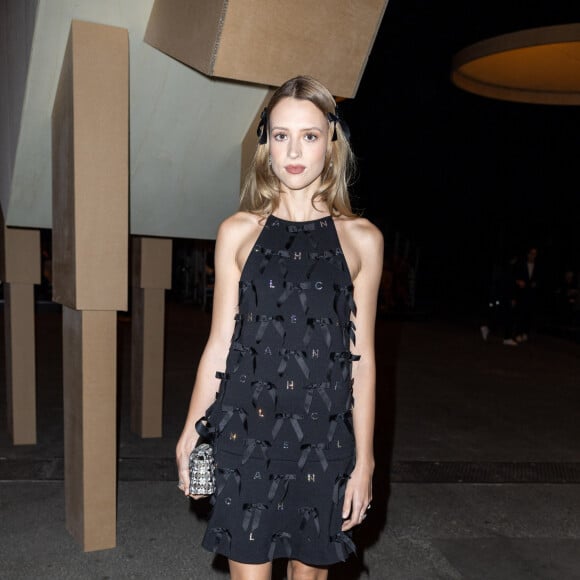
(151, 276)
(20, 270)
(90, 147)
(90, 416)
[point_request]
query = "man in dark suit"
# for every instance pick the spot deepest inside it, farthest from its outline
(527, 279)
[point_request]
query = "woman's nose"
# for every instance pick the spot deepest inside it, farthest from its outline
(294, 150)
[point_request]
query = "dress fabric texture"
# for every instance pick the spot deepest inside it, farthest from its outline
(281, 423)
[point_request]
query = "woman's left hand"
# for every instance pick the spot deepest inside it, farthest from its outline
(357, 497)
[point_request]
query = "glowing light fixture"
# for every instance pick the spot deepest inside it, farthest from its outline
(539, 65)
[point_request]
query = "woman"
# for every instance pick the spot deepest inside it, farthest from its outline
(291, 407)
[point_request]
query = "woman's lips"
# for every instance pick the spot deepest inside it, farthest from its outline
(295, 169)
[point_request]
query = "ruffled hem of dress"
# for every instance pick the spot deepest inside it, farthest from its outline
(344, 549)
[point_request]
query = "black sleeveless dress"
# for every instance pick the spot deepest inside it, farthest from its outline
(281, 422)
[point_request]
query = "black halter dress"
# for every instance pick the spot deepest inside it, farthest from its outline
(281, 422)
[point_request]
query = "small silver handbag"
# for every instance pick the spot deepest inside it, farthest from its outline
(202, 470)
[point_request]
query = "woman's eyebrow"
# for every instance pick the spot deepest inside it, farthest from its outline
(279, 127)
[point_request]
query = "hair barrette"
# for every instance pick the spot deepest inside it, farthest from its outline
(334, 118)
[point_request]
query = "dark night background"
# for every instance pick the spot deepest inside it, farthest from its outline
(463, 179)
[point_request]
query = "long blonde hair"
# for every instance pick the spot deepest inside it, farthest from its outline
(261, 190)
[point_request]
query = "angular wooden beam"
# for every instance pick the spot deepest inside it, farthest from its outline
(20, 270)
(90, 130)
(265, 42)
(151, 267)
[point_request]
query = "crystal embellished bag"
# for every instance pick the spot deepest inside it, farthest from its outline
(202, 461)
(202, 470)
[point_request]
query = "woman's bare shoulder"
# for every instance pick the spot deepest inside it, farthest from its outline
(240, 223)
(238, 233)
(361, 231)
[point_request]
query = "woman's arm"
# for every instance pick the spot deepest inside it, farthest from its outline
(365, 243)
(229, 246)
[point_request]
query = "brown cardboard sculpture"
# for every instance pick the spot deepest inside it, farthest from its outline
(151, 276)
(266, 42)
(90, 136)
(90, 145)
(20, 270)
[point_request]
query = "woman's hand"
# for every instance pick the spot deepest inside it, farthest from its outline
(357, 497)
(182, 453)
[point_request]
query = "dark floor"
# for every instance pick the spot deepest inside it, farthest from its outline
(478, 462)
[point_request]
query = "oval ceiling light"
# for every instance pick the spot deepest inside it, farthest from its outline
(539, 65)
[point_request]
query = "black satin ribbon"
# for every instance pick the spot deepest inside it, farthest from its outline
(243, 289)
(292, 288)
(265, 321)
(347, 293)
(259, 387)
(327, 256)
(345, 360)
(276, 479)
(319, 450)
(265, 260)
(345, 355)
(298, 355)
(334, 419)
(339, 488)
(312, 324)
(309, 513)
(269, 252)
(350, 399)
(283, 537)
(225, 474)
(321, 389)
(251, 444)
(219, 534)
(268, 255)
(349, 333)
(204, 428)
(221, 392)
(252, 515)
(334, 119)
(296, 229)
(255, 293)
(238, 318)
(229, 411)
(243, 351)
(344, 545)
(262, 130)
(294, 421)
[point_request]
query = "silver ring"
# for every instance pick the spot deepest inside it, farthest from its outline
(369, 507)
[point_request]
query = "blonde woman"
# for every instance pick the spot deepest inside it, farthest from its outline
(286, 382)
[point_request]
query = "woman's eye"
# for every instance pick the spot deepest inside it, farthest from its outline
(279, 136)
(311, 137)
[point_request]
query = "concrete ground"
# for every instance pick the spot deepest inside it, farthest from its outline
(478, 464)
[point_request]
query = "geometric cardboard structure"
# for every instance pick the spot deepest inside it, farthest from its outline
(90, 128)
(90, 149)
(151, 276)
(265, 42)
(20, 270)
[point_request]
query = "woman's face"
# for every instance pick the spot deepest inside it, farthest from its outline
(299, 135)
